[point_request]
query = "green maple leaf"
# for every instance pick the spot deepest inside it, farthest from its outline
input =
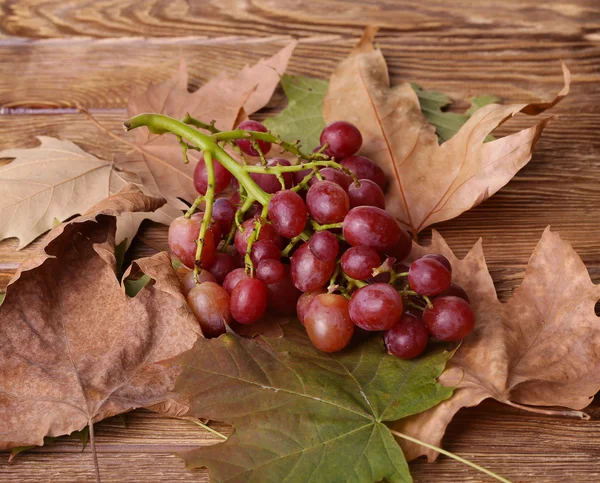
(303, 415)
(447, 124)
(302, 119)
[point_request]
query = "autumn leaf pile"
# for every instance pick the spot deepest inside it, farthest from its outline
(77, 348)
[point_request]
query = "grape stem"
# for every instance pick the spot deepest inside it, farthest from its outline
(209, 197)
(357, 283)
(209, 145)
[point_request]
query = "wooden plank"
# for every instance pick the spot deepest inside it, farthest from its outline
(143, 449)
(260, 18)
(100, 73)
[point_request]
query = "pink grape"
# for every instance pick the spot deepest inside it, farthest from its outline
(450, 318)
(372, 227)
(327, 202)
(308, 272)
(248, 300)
(210, 304)
(408, 338)
(246, 145)
(427, 276)
(287, 213)
(328, 323)
(364, 168)
(343, 139)
(222, 177)
(367, 193)
(376, 307)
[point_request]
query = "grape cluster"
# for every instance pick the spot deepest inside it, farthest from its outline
(322, 246)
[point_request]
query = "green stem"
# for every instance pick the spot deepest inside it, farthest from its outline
(199, 124)
(262, 136)
(357, 283)
(428, 300)
(331, 226)
(209, 198)
(194, 207)
(294, 168)
(290, 246)
(451, 455)
(208, 428)
(160, 124)
(251, 239)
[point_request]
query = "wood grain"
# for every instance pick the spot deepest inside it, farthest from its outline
(56, 55)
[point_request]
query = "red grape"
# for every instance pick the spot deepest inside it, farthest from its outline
(269, 182)
(222, 265)
(264, 250)
(450, 318)
(359, 262)
(343, 139)
(270, 271)
(456, 291)
(440, 258)
(376, 307)
(368, 193)
(334, 175)
(183, 234)
(283, 296)
(407, 339)
(246, 145)
(364, 168)
(427, 276)
(232, 279)
(222, 177)
(327, 202)
(287, 213)
(402, 249)
(304, 301)
(328, 323)
(308, 272)
(372, 227)
(188, 282)
(267, 232)
(210, 304)
(248, 300)
(223, 212)
(325, 246)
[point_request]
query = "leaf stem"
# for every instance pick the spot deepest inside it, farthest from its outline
(208, 428)
(94, 453)
(571, 413)
(451, 455)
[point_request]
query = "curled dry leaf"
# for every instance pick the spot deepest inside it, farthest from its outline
(301, 414)
(75, 348)
(429, 183)
(57, 180)
(541, 348)
(224, 99)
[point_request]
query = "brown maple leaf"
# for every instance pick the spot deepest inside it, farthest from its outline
(75, 347)
(429, 183)
(57, 180)
(224, 99)
(541, 348)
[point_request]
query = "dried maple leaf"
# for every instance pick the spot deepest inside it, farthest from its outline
(429, 183)
(128, 222)
(301, 414)
(57, 180)
(75, 348)
(541, 348)
(226, 100)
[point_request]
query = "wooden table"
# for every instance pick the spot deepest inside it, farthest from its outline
(57, 54)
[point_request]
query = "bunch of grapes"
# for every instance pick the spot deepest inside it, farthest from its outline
(310, 238)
